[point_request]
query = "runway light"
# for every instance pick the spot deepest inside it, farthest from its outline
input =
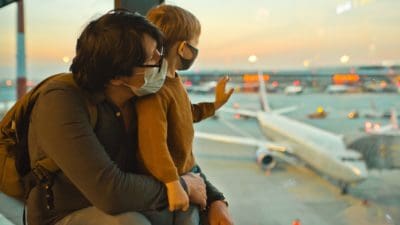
(188, 83)
(344, 59)
(252, 58)
(342, 8)
(9, 83)
(296, 222)
(30, 83)
(65, 59)
(306, 63)
(383, 84)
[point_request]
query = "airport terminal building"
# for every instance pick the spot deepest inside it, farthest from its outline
(359, 79)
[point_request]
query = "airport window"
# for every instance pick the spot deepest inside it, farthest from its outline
(311, 132)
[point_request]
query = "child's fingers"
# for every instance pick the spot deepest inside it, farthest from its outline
(224, 80)
(185, 207)
(231, 91)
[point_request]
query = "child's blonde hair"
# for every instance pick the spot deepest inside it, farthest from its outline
(176, 23)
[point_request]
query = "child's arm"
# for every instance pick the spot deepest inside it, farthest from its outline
(204, 110)
(177, 197)
(153, 149)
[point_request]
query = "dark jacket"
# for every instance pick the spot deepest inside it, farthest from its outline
(97, 165)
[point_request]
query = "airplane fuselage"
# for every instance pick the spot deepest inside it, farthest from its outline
(324, 151)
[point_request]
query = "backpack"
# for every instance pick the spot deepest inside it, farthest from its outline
(14, 154)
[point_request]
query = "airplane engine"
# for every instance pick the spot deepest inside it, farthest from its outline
(265, 159)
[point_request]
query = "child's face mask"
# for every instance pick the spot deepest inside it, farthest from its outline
(154, 78)
(187, 63)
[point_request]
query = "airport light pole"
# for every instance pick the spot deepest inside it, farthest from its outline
(117, 4)
(21, 63)
(140, 6)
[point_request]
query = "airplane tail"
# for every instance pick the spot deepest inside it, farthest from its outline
(393, 119)
(262, 91)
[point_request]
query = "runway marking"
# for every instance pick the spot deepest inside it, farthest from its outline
(235, 128)
(4, 220)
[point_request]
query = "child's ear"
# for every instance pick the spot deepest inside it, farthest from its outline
(181, 47)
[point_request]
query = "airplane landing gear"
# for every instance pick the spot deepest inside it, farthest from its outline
(344, 188)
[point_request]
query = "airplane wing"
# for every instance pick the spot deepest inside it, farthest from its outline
(285, 110)
(243, 141)
(242, 112)
(279, 151)
(249, 113)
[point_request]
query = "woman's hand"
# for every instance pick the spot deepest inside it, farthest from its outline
(196, 189)
(221, 97)
(218, 214)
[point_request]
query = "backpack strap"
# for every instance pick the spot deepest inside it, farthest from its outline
(45, 170)
(67, 78)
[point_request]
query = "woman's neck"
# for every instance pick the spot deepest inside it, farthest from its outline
(119, 95)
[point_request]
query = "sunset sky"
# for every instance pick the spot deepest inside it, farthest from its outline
(290, 34)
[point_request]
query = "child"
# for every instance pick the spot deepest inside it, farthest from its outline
(165, 119)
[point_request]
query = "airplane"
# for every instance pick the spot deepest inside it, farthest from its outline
(293, 90)
(374, 112)
(376, 128)
(323, 151)
(337, 88)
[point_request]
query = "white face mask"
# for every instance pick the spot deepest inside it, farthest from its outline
(153, 80)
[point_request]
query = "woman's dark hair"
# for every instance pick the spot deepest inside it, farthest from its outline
(111, 46)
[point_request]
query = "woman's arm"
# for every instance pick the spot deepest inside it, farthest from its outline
(213, 194)
(64, 133)
(217, 206)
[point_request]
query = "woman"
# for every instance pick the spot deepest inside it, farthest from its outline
(115, 53)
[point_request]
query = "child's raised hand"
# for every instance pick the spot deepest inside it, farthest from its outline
(221, 97)
(177, 197)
